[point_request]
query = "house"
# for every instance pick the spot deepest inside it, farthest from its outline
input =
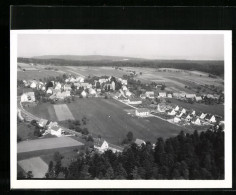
(128, 93)
(172, 113)
(101, 145)
(198, 98)
(115, 148)
(193, 113)
(139, 142)
(180, 115)
(92, 91)
(169, 95)
(98, 90)
(183, 111)
(124, 88)
(42, 122)
(43, 88)
(210, 118)
(67, 87)
(113, 86)
(58, 86)
(83, 93)
(190, 96)
(77, 85)
(28, 97)
(161, 107)
(124, 82)
(162, 94)
(55, 130)
(150, 94)
(142, 112)
(210, 96)
(177, 108)
(51, 124)
(102, 80)
(202, 116)
(216, 96)
(135, 101)
(86, 85)
(177, 120)
(142, 96)
(49, 91)
(196, 121)
(79, 79)
(188, 118)
(72, 80)
(33, 85)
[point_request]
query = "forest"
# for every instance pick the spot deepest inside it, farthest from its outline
(211, 67)
(185, 156)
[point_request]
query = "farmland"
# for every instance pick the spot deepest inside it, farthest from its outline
(44, 144)
(108, 118)
(63, 112)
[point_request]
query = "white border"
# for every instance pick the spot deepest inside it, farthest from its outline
(109, 184)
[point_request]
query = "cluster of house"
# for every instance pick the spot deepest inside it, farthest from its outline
(180, 114)
(51, 127)
(28, 97)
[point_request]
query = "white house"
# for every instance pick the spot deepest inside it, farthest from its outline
(197, 121)
(128, 93)
(49, 91)
(176, 95)
(55, 130)
(58, 86)
(177, 108)
(193, 113)
(92, 91)
(183, 111)
(101, 146)
(188, 118)
(190, 96)
(142, 112)
(124, 82)
(169, 95)
(83, 93)
(42, 122)
(172, 113)
(213, 119)
(113, 85)
(177, 120)
(124, 88)
(33, 85)
(202, 116)
(198, 98)
(79, 79)
(43, 88)
(162, 94)
(102, 80)
(139, 142)
(150, 94)
(28, 97)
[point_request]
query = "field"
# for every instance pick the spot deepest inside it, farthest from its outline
(44, 144)
(36, 165)
(108, 118)
(25, 131)
(63, 113)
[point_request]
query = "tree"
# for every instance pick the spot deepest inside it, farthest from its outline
(57, 156)
(21, 175)
(130, 136)
(120, 172)
(29, 175)
(84, 173)
(109, 173)
(135, 174)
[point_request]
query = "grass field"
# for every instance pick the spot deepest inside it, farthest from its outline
(63, 113)
(36, 165)
(108, 118)
(33, 74)
(25, 131)
(44, 144)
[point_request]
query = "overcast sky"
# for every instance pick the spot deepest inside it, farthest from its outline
(191, 47)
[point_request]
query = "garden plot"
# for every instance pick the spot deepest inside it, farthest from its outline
(38, 167)
(63, 112)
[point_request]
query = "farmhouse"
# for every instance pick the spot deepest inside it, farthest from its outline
(101, 146)
(202, 116)
(128, 93)
(115, 148)
(210, 118)
(180, 115)
(139, 142)
(188, 118)
(150, 94)
(33, 84)
(193, 113)
(198, 98)
(183, 111)
(216, 96)
(55, 130)
(169, 95)
(135, 101)
(28, 97)
(162, 94)
(172, 113)
(142, 112)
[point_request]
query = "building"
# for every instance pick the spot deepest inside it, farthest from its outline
(139, 142)
(142, 112)
(183, 111)
(28, 97)
(135, 101)
(177, 108)
(162, 94)
(190, 96)
(198, 98)
(83, 93)
(92, 91)
(128, 93)
(101, 145)
(196, 121)
(176, 95)
(172, 113)
(180, 115)
(150, 94)
(202, 116)
(79, 79)
(193, 113)
(177, 120)
(102, 80)
(42, 122)
(188, 118)
(210, 96)
(49, 91)
(143, 96)
(67, 87)
(86, 85)
(124, 88)
(169, 95)
(210, 118)
(55, 130)
(58, 86)
(33, 85)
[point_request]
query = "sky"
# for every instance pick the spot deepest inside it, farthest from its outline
(149, 46)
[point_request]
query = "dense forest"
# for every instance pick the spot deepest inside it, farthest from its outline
(186, 156)
(211, 67)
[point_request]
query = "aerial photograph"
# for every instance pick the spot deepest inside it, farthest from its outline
(120, 106)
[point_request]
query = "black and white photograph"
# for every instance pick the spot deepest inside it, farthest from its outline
(112, 107)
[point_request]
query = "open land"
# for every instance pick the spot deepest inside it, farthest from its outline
(43, 144)
(36, 165)
(63, 113)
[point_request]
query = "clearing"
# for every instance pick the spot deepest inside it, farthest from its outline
(63, 113)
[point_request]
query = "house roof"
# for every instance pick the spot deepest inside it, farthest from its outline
(190, 95)
(99, 142)
(55, 128)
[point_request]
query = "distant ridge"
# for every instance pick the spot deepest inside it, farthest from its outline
(88, 58)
